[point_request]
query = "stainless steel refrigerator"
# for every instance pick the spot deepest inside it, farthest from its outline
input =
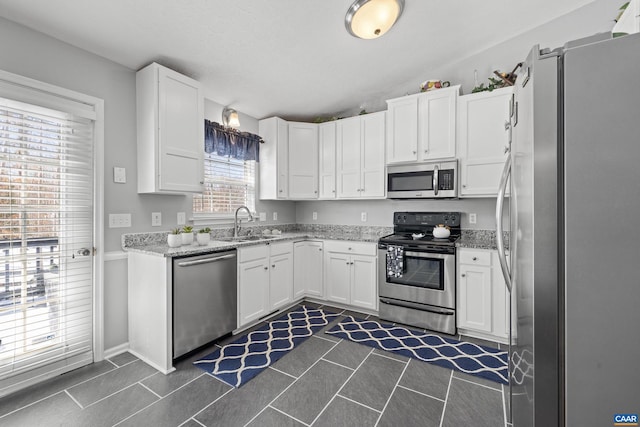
(575, 234)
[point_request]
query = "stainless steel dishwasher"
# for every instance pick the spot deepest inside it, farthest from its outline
(204, 299)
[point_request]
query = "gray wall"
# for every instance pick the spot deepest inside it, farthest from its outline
(380, 212)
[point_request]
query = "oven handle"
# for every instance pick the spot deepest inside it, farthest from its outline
(435, 180)
(417, 307)
(427, 255)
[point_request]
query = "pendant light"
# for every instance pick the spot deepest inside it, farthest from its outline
(230, 118)
(370, 19)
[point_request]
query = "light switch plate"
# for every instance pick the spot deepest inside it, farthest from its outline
(156, 219)
(119, 220)
(315, 216)
(363, 216)
(182, 218)
(263, 216)
(119, 175)
(275, 216)
(473, 218)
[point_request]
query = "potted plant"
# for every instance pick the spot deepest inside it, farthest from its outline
(174, 239)
(203, 237)
(187, 235)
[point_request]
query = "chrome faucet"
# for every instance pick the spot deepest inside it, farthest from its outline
(236, 224)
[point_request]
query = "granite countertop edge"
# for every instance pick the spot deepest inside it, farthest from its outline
(162, 249)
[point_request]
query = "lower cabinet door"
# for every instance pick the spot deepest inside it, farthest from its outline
(363, 281)
(475, 308)
(281, 281)
(307, 269)
(253, 288)
(337, 273)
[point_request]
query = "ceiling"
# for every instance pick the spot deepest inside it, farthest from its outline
(291, 58)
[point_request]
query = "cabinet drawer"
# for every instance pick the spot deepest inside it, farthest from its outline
(475, 257)
(359, 248)
(280, 248)
(253, 253)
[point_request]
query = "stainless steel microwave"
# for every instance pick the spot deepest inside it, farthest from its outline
(423, 181)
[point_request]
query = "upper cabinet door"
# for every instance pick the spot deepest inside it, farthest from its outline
(372, 149)
(170, 115)
(349, 133)
(437, 124)
(483, 141)
(327, 160)
(274, 158)
(402, 130)
(303, 160)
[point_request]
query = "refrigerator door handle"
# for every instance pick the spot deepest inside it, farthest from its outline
(499, 230)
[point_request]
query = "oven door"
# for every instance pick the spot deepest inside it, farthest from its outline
(427, 278)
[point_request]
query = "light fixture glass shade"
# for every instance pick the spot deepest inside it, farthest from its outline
(370, 19)
(230, 118)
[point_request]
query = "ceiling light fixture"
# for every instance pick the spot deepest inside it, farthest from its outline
(230, 118)
(370, 19)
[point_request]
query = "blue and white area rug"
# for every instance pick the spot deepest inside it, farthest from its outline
(246, 357)
(462, 356)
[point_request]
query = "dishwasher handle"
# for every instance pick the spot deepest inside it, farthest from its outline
(205, 260)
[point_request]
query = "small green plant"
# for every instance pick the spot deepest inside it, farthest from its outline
(175, 231)
(204, 230)
(187, 229)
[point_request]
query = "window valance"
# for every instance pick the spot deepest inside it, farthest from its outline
(230, 142)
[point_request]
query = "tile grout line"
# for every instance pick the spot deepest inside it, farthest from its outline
(356, 402)
(287, 415)
(282, 372)
(446, 398)
(118, 391)
(32, 403)
(290, 385)
(323, 338)
(336, 363)
(74, 399)
(478, 384)
(153, 403)
(153, 392)
(504, 406)
(342, 386)
(219, 397)
(392, 393)
(419, 392)
(112, 362)
(391, 358)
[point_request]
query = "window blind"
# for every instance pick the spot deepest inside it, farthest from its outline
(229, 183)
(46, 238)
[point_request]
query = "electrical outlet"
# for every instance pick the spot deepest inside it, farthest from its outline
(275, 216)
(119, 220)
(156, 219)
(119, 175)
(263, 216)
(182, 218)
(472, 218)
(315, 216)
(363, 216)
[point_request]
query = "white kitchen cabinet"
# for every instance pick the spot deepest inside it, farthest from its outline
(483, 141)
(303, 160)
(307, 269)
(265, 280)
(170, 132)
(422, 127)
(350, 273)
(360, 169)
(483, 299)
(327, 160)
(274, 159)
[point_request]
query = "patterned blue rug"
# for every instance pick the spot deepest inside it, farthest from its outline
(246, 357)
(462, 356)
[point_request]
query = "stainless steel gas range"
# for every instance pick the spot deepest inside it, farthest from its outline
(417, 272)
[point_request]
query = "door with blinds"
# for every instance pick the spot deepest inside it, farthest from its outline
(46, 237)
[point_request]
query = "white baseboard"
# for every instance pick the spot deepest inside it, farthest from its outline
(114, 351)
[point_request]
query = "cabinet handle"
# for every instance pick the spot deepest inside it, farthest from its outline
(506, 149)
(333, 191)
(349, 248)
(414, 152)
(347, 262)
(316, 191)
(266, 268)
(475, 258)
(273, 266)
(319, 249)
(464, 185)
(463, 275)
(426, 151)
(281, 191)
(201, 182)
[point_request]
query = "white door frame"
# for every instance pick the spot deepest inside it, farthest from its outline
(33, 91)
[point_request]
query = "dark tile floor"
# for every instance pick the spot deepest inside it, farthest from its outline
(325, 381)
